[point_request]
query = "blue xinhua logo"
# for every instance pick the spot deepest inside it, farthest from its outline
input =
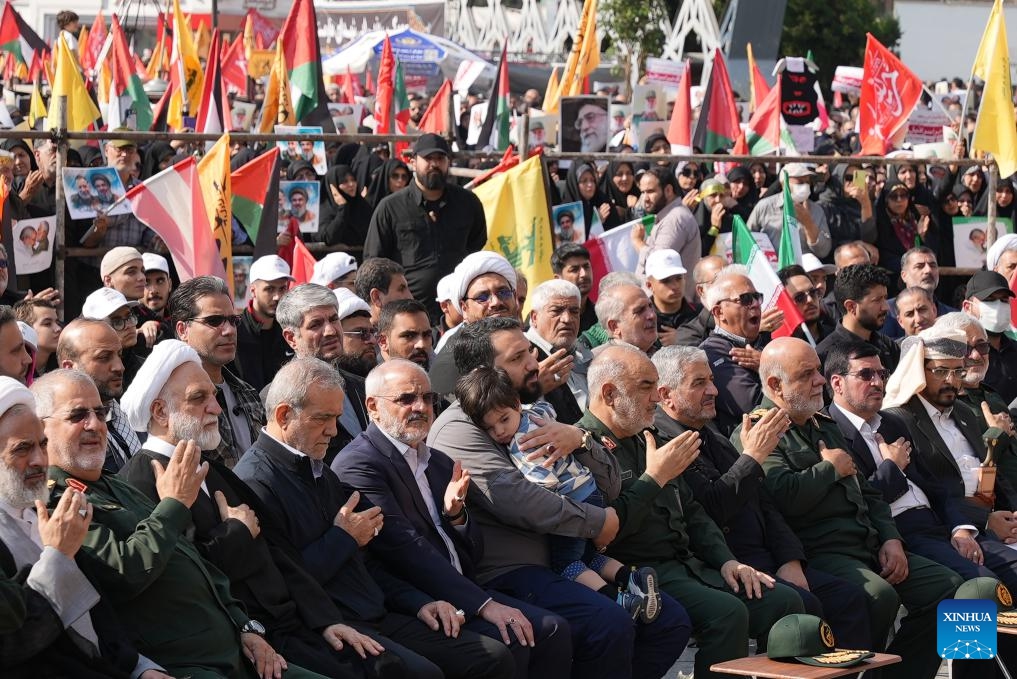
(966, 629)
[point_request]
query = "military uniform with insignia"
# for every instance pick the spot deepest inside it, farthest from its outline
(842, 523)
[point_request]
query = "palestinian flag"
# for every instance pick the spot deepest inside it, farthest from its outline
(746, 251)
(126, 92)
(18, 38)
(495, 130)
(719, 124)
(255, 200)
(299, 38)
(214, 110)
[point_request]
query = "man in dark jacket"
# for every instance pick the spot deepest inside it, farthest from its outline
(261, 350)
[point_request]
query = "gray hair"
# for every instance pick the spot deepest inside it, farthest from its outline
(294, 380)
(959, 320)
(768, 369)
(610, 306)
(672, 363)
(375, 381)
(295, 303)
(618, 278)
(603, 371)
(548, 290)
(44, 388)
(716, 291)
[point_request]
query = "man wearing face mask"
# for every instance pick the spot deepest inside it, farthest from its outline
(987, 298)
(768, 215)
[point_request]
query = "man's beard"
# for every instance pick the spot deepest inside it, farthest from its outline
(530, 390)
(433, 180)
(629, 415)
(184, 427)
(803, 404)
(358, 365)
(15, 492)
(107, 394)
(401, 430)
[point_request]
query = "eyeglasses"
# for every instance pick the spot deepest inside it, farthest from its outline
(898, 195)
(982, 348)
(868, 374)
(216, 320)
(3, 263)
(429, 398)
(79, 415)
(505, 294)
(123, 323)
(401, 176)
(690, 172)
(363, 334)
(947, 373)
(589, 118)
(802, 296)
(746, 299)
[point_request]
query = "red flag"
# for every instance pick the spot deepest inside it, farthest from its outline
(93, 46)
(890, 92)
(234, 65)
(302, 268)
(349, 93)
(679, 132)
(262, 27)
(171, 204)
(369, 85)
(438, 114)
(760, 88)
(718, 125)
(386, 91)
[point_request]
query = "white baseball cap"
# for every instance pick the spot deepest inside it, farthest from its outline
(349, 303)
(103, 302)
(153, 262)
(332, 267)
(663, 264)
(269, 268)
(811, 263)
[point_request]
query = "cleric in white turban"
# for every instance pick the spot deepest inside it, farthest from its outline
(476, 265)
(14, 393)
(166, 357)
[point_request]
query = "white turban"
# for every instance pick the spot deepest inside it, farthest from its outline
(1002, 244)
(349, 303)
(937, 342)
(166, 356)
(14, 393)
(476, 265)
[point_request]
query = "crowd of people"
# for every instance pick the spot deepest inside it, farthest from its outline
(391, 471)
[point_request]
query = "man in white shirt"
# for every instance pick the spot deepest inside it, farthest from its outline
(881, 446)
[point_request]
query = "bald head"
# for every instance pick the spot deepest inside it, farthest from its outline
(93, 347)
(78, 334)
(706, 270)
(791, 375)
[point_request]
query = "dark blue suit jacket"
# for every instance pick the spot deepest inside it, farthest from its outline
(409, 543)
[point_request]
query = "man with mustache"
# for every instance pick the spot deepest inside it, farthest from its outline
(919, 268)
(807, 298)
(860, 290)
(843, 522)
(627, 315)
(309, 316)
(429, 226)
(204, 319)
(916, 310)
(155, 323)
(174, 401)
(360, 337)
(404, 331)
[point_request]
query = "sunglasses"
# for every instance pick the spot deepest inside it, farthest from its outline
(689, 172)
(981, 347)
(79, 415)
(505, 294)
(746, 299)
(401, 176)
(429, 398)
(869, 374)
(804, 295)
(216, 321)
(363, 334)
(898, 195)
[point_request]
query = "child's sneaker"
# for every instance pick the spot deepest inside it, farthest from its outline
(643, 583)
(633, 603)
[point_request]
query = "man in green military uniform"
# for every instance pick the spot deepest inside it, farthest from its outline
(661, 524)
(176, 606)
(845, 525)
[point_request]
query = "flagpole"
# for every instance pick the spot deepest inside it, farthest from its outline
(61, 210)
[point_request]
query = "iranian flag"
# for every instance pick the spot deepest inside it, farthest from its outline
(255, 200)
(613, 250)
(746, 251)
(126, 92)
(18, 38)
(171, 204)
(790, 249)
(299, 38)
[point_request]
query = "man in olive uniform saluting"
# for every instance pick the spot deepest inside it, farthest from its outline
(662, 526)
(843, 522)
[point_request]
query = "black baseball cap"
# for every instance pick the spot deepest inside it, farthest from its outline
(984, 284)
(431, 143)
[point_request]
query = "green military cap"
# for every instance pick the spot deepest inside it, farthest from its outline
(993, 590)
(808, 639)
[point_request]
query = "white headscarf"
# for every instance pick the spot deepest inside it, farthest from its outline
(937, 342)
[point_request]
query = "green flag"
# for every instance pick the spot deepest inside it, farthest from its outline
(790, 250)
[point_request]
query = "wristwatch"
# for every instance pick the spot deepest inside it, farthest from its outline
(587, 443)
(252, 626)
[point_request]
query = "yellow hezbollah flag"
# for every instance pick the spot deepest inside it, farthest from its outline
(519, 221)
(584, 57)
(36, 107)
(214, 178)
(185, 61)
(996, 127)
(551, 91)
(277, 108)
(81, 110)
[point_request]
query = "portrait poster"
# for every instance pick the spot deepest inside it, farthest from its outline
(970, 235)
(242, 115)
(90, 191)
(241, 270)
(307, 150)
(299, 201)
(543, 129)
(568, 223)
(33, 244)
(584, 125)
(649, 102)
(619, 115)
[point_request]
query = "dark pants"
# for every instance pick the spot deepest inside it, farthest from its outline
(606, 642)
(840, 603)
(310, 650)
(429, 654)
(551, 655)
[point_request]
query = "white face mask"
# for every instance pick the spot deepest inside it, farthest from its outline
(800, 192)
(994, 316)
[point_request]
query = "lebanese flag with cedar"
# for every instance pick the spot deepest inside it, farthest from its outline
(171, 204)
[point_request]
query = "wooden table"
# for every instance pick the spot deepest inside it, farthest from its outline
(761, 666)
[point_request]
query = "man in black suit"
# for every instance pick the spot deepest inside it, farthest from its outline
(308, 510)
(428, 539)
(309, 316)
(881, 445)
(174, 401)
(947, 434)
